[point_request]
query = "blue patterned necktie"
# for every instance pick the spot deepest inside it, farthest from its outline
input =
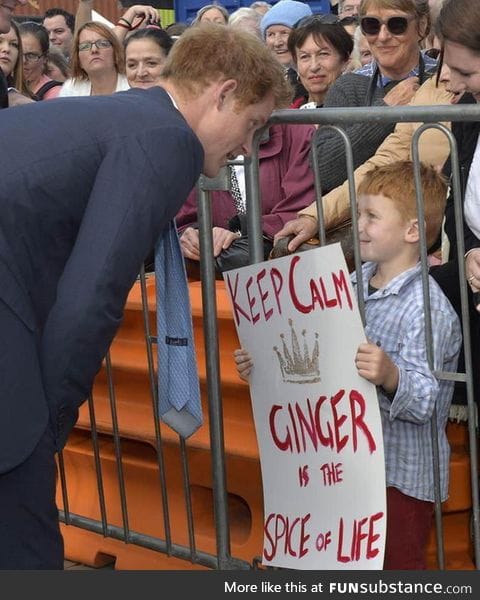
(178, 386)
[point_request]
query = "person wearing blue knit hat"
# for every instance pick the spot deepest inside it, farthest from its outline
(275, 27)
(285, 13)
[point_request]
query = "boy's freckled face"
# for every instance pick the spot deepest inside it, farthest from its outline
(381, 228)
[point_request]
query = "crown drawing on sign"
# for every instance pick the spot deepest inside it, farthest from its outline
(298, 365)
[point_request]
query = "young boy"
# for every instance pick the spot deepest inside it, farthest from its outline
(395, 357)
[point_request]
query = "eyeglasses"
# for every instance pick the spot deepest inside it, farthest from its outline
(99, 44)
(31, 57)
(395, 25)
(326, 19)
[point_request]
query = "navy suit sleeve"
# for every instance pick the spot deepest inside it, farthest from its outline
(139, 187)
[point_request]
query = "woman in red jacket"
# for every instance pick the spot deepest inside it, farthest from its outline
(286, 185)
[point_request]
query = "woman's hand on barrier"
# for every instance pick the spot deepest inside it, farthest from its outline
(244, 363)
(222, 239)
(303, 228)
(402, 93)
(472, 271)
(190, 243)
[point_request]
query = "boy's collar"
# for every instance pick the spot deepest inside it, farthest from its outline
(394, 286)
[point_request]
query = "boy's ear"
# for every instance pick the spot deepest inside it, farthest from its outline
(412, 234)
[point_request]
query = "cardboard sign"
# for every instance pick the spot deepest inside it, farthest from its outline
(317, 421)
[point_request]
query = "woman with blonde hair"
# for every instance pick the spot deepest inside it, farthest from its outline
(11, 58)
(98, 63)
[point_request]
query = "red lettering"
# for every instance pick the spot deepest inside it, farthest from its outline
(308, 424)
(294, 426)
(303, 537)
(291, 533)
(325, 440)
(263, 295)
(291, 286)
(338, 421)
(358, 537)
(277, 284)
(332, 473)
(303, 476)
(340, 283)
(315, 294)
(286, 444)
(268, 537)
(237, 309)
(329, 302)
(373, 537)
(251, 301)
(361, 540)
(356, 399)
(340, 557)
(321, 424)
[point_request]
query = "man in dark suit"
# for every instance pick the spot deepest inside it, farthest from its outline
(87, 187)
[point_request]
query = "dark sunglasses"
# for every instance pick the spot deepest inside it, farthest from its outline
(395, 25)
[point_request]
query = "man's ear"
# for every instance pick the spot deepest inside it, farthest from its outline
(412, 235)
(225, 90)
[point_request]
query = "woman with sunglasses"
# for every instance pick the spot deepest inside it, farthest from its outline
(394, 29)
(35, 45)
(433, 147)
(98, 64)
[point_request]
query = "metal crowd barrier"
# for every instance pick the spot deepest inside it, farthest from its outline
(222, 559)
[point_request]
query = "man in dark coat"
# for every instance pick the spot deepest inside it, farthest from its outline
(87, 187)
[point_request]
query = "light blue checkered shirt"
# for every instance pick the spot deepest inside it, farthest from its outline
(395, 320)
(369, 69)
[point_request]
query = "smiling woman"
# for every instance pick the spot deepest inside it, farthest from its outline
(98, 63)
(275, 27)
(146, 51)
(458, 25)
(321, 51)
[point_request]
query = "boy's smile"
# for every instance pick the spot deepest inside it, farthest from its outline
(382, 229)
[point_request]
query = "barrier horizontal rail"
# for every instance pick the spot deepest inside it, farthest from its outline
(380, 114)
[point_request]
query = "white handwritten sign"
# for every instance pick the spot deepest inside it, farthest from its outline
(317, 421)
